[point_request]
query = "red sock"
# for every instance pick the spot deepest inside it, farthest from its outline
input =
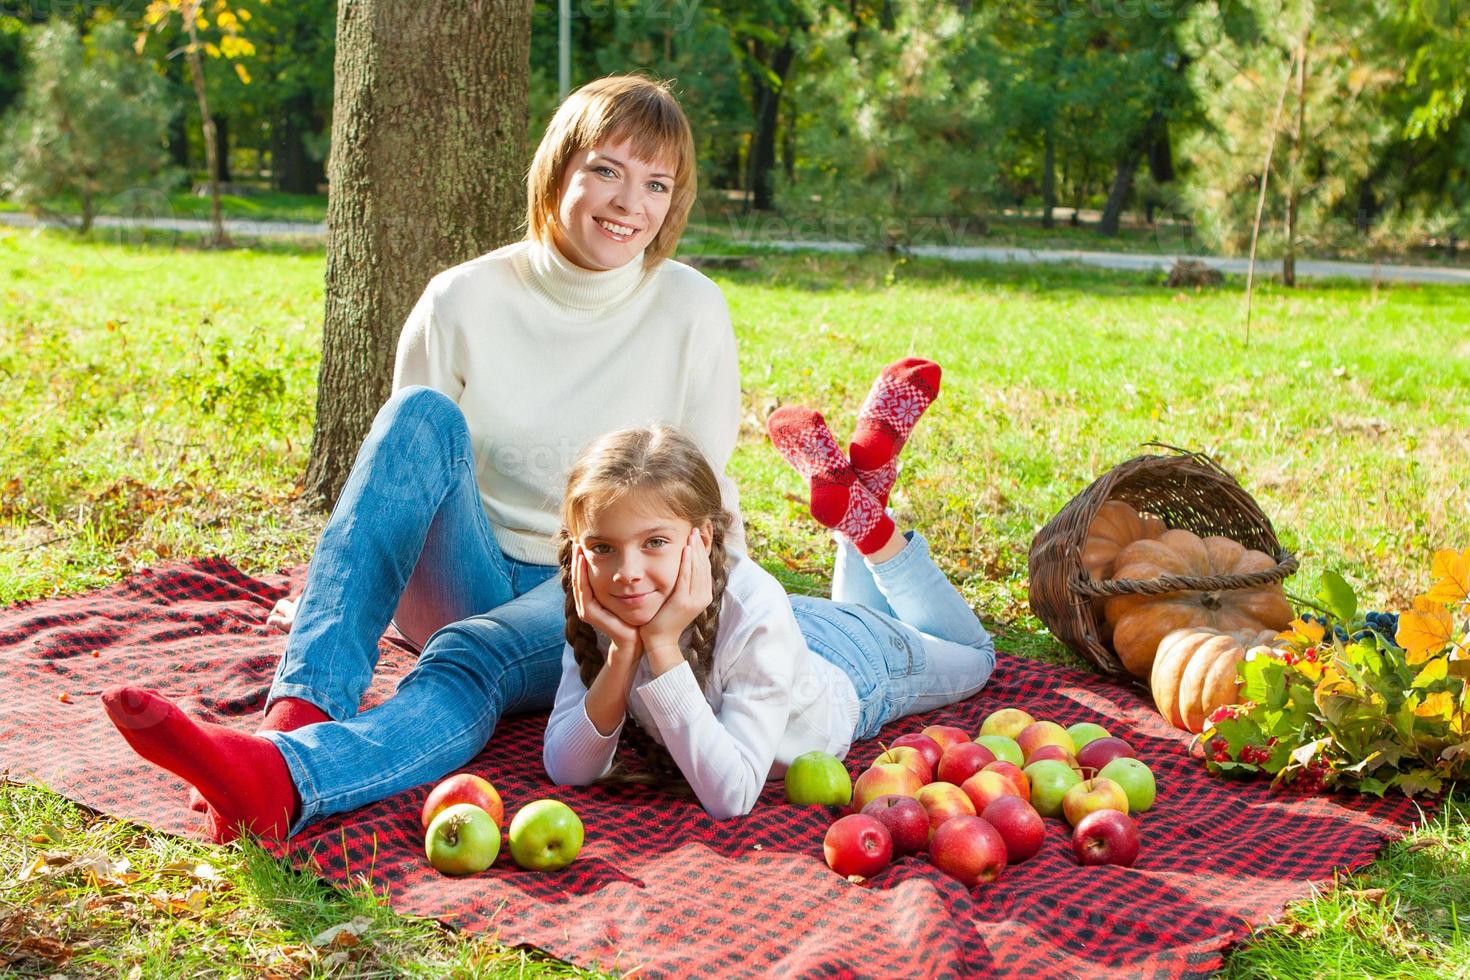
(897, 399)
(284, 715)
(242, 777)
(839, 501)
(880, 481)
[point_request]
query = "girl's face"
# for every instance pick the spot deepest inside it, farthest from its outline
(633, 551)
(611, 205)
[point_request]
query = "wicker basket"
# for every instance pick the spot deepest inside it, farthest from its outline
(1186, 490)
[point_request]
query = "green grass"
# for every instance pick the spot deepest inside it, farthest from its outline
(159, 403)
(258, 205)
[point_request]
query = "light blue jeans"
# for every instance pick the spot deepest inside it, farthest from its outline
(409, 538)
(900, 631)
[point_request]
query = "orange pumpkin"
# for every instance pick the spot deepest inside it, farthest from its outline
(1139, 622)
(1115, 526)
(1195, 672)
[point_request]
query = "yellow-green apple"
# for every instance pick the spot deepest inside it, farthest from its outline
(885, 779)
(1137, 781)
(818, 777)
(928, 748)
(1003, 747)
(1054, 752)
(1015, 774)
(1093, 794)
(1040, 733)
(1050, 781)
(463, 787)
(986, 787)
(1100, 752)
(1009, 722)
(906, 820)
(857, 844)
(946, 735)
(545, 835)
(462, 839)
(943, 801)
(969, 850)
(1106, 837)
(961, 761)
(1018, 824)
(1084, 732)
(907, 755)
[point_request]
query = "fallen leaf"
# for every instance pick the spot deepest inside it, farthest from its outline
(1375, 895)
(343, 934)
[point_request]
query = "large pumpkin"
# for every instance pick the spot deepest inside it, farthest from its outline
(1195, 672)
(1115, 526)
(1139, 622)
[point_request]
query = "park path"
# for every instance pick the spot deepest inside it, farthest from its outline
(1130, 261)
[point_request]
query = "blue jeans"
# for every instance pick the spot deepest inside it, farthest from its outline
(900, 631)
(409, 538)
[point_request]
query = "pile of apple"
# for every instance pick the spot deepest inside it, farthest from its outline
(462, 818)
(976, 806)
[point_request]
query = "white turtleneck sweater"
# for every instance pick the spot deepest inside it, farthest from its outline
(543, 356)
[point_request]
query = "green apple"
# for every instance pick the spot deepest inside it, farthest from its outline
(462, 840)
(545, 835)
(1136, 779)
(1084, 732)
(1050, 780)
(818, 777)
(1004, 748)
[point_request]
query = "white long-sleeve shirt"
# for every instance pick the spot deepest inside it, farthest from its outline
(542, 357)
(769, 699)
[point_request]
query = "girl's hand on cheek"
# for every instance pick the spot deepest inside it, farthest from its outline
(692, 593)
(624, 638)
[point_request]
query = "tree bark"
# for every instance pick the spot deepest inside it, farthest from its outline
(206, 122)
(1118, 194)
(1048, 178)
(1293, 185)
(222, 147)
(428, 153)
(292, 168)
(761, 163)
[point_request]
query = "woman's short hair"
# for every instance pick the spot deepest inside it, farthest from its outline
(639, 110)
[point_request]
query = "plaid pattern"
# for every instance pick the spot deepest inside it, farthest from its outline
(659, 886)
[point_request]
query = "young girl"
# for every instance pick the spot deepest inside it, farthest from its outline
(704, 649)
(447, 524)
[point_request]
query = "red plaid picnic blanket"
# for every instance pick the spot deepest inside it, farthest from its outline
(660, 887)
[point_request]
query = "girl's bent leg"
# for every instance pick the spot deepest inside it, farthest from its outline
(411, 507)
(442, 714)
(919, 594)
(852, 580)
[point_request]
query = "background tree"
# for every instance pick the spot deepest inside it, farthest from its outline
(88, 123)
(425, 172)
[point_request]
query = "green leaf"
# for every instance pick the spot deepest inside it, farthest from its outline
(1417, 781)
(1435, 669)
(1338, 597)
(1370, 785)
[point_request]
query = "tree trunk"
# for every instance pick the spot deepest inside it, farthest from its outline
(206, 121)
(1048, 179)
(222, 147)
(1118, 194)
(1293, 185)
(428, 154)
(292, 168)
(761, 163)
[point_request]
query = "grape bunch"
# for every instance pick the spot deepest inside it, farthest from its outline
(1326, 624)
(1384, 623)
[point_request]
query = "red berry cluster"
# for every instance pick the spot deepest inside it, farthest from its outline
(1257, 755)
(1312, 778)
(1218, 750)
(1310, 655)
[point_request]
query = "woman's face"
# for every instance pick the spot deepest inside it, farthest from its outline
(611, 205)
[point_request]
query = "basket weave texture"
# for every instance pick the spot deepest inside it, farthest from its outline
(1186, 490)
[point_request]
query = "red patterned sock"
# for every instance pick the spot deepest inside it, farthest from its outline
(897, 399)
(880, 481)
(284, 715)
(839, 501)
(242, 777)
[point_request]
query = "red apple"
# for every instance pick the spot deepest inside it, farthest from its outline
(1015, 774)
(1100, 751)
(985, 787)
(1106, 837)
(907, 755)
(1040, 733)
(962, 761)
(928, 748)
(1090, 795)
(944, 801)
(463, 787)
(1018, 824)
(969, 850)
(906, 819)
(1055, 752)
(857, 844)
(1007, 721)
(890, 778)
(946, 735)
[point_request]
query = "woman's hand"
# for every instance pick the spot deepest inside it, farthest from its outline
(624, 638)
(283, 614)
(693, 590)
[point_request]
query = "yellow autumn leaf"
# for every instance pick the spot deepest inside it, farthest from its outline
(236, 47)
(1313, 631)
(244, 15)
(211, 49)
(1452, 573)
(1424, 630)
(1440, 704)
(226, 20)
(244, 75)
(1436, 669)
